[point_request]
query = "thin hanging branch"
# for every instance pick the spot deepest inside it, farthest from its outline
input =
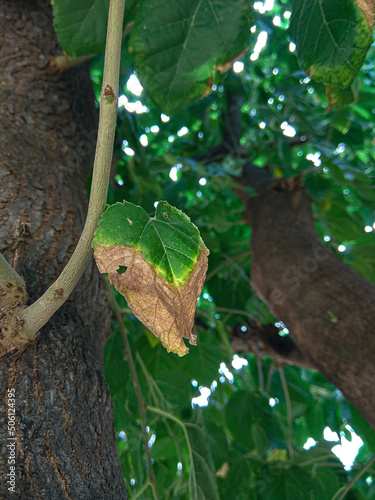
(30, 320)
(164, 414)
(288, 411)
(136, 384)
(151, 385)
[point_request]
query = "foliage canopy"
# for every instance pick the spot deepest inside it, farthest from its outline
(248, 441)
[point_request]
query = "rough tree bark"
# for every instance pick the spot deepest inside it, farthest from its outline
(327, 306)
(65, 441)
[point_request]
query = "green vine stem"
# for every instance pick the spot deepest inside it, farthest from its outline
(36, 316)
(136, 384)
(179, 422)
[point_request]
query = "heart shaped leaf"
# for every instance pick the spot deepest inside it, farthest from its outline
(159, 265)
(178, 46)
(332, 38)
(81, 26)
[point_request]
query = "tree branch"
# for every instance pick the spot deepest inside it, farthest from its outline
(31, 319)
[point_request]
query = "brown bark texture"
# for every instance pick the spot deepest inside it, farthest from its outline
(64, 435)
(327, 306)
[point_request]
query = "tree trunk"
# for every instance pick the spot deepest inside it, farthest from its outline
(328, 307)
(64, 440)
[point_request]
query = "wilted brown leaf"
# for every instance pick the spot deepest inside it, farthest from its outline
(168, 311)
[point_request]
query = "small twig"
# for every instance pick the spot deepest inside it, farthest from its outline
(60, 64)
(228, 261)
(260, 368)
(269, 377)
(354, 186)
(231, 311)
(343, 492)
(340, 466)
(165, 414)
(37, 315)
(331, 129)
(136, 384)
(288, 411)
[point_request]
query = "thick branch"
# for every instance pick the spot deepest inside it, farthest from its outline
(329, 308)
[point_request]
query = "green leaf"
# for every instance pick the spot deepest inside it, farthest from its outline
(242, 476)
(245, 409)
(282, 480)
(321, 452)
(203, 362)
(166, 262)
(202, 479)
(178, 47)
(325, 479)
(163, 448)
(364, 260)
(315, 421)
(332, 39)
(278, 480)
(342, 226)
(173, 388)
(239, 417)
(362, 427)
(123, 418)
(81, 27)
(340, 97)
(218, 442)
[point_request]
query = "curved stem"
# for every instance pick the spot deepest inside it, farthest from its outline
(37, 315)
(179, 422)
